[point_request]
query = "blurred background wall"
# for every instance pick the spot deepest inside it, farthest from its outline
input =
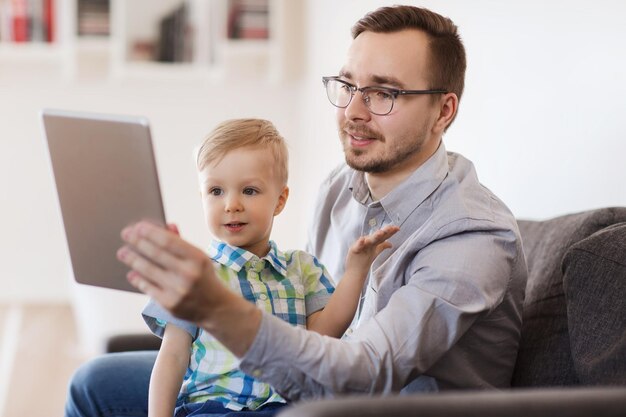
(542, 118)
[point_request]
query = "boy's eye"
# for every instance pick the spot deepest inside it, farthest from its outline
(249, 191)
(215, 191)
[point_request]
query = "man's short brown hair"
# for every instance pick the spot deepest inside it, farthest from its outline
(447, 53)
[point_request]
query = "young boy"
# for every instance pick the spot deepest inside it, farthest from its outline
(242, 169)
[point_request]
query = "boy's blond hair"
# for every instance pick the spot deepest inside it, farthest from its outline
(238, 133)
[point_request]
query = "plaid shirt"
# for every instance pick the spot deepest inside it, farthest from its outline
(290, 285)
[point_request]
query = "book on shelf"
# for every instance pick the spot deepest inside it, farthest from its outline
(248, 19)
(24, 21)
(93, 17)
(174, 39)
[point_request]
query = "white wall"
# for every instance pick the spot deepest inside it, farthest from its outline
(542, 118)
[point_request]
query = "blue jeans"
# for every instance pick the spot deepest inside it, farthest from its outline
(116, 385)
(113, 385)
(216, 409)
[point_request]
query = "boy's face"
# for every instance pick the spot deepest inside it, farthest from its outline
(241, 194)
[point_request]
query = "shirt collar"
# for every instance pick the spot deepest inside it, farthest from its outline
(411, 192)
(236, 258)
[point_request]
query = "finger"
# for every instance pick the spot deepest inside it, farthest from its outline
(382, 247)
(386, 232)
(173, 228)
(167, 250)
(371, 242)
(382, 235)
(149, 270)
(158, 255)
(144, 285)
(141, 283)
(158, 236)
(360, 245)
(152, 274)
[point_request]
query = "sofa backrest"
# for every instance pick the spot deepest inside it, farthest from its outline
(575, 305)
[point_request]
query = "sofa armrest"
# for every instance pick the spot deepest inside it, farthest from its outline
(562, 402)
(595, 289)
(133, 342)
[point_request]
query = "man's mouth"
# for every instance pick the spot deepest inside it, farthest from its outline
(358, 140)
(359, 135)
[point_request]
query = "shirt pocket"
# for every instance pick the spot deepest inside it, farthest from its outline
(286, 301)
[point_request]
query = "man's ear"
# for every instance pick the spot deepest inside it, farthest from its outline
(282, 200)
(448, 107)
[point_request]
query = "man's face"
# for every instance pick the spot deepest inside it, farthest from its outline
(403, 139)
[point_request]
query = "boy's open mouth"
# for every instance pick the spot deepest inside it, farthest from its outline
(234, 226)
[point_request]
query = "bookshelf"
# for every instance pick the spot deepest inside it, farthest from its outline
(47, 32)
(202, 38)
(181, 39)
(29, 29)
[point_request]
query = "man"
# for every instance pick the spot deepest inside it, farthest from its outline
(442, 308)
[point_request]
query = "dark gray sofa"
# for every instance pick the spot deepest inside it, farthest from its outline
(572, 357)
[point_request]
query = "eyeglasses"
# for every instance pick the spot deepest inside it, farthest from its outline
(379, 100)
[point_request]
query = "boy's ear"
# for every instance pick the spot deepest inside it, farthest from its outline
(282, 200)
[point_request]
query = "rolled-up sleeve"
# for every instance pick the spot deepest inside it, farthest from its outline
(156, 317)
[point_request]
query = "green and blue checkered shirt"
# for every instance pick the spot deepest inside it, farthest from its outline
(290, 285)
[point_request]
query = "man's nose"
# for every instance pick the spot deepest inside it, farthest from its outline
(357, 109)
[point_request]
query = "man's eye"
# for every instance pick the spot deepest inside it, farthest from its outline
(215, 191)
(344, 88)
(382, 95)
(250, 191)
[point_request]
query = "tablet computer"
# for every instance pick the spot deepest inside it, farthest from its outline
(106, 178)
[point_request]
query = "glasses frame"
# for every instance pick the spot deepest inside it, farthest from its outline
(394, 92)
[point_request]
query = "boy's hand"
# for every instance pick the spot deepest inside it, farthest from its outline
(363, 252)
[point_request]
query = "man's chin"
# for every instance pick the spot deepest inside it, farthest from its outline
(360, 164)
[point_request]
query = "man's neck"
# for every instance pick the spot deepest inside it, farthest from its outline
(381, 184)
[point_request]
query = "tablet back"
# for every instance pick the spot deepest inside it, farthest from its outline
(106, 178)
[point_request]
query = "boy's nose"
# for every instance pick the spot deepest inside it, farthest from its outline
(233, 205)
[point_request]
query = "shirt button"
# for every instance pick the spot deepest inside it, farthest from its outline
(372, 222)
(257, 373)
(263, 297)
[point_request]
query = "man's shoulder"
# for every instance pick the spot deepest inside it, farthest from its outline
(465, 198)
(334, 188)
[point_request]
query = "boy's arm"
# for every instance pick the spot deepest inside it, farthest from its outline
(338, 313)
(169, 369)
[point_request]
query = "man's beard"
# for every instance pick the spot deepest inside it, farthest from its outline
(379, 164)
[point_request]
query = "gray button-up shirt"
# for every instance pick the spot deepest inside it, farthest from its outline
(442, 308)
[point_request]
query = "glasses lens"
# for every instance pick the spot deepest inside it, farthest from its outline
(378, 100)
(338, 93)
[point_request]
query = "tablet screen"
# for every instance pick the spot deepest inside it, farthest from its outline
(106, 178)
